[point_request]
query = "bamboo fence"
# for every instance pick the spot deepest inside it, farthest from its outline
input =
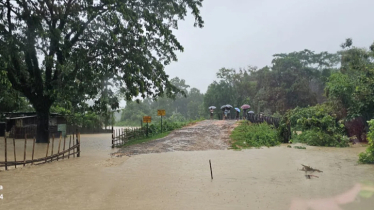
(72, 150)
(124, 135)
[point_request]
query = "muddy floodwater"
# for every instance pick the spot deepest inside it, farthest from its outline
(266, 178)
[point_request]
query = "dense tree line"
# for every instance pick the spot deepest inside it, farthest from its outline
(294, 79)
(186, 105)
(343, 80)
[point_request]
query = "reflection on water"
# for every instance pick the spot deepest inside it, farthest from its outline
(340, 201)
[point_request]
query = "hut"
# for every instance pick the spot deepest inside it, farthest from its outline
(19, 124)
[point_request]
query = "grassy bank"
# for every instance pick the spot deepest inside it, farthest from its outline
(155, 132)
(126, 123)
(146, 139)
(248, 135)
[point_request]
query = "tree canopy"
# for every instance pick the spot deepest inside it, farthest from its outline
(71, 50)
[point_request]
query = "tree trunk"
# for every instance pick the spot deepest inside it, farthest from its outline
(42, 130)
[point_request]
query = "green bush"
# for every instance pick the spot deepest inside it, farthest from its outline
(319, 126)
(155, 128)
(248, 135)
(320, 138)
(368, 156)
(166, 126)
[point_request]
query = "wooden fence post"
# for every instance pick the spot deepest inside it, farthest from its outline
(69, 146)
(115, 138)
(63, 148)
(33, 150)
(24, 151)
(53, 142)
(59, 144)
(73, 145)
(14, 148)
(79, 144)
(123, 135)
(6, 161)
(112, 137)
(46, 154)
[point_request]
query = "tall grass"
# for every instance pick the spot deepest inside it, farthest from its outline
(248, 135)
(368, 155)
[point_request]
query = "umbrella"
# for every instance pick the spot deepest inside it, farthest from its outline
(212, 107)
(251, 112)
(245, 106)
(237, 109)
(227, 106)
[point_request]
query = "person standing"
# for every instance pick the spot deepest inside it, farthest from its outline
(211, 113)
(244, 113)
(237, 115)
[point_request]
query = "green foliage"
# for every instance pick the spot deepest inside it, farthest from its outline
(167, 126)
(248, 135)
(316, 117)
(295, 79)
(368, 156)
(76, 50)
(155, 128)
(146, 139)
(10, 99)
(299, 147)
(353, 86)
(183, 107)
(316, 137)
(82, 55)
(318, 124)
(233, 87)
(87, 119)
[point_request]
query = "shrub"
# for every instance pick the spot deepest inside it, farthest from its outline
(319, 126)
(155, 128)
(368, 156)
(320, 138)
(248, 135)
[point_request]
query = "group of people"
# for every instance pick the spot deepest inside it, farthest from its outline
(226, 113)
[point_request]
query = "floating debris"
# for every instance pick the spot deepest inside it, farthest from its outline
(309, 169)
(309, 176)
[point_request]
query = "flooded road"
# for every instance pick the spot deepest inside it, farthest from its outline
(204, 135)
(250, 179)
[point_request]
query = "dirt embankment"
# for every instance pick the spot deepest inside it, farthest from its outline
(204, 135)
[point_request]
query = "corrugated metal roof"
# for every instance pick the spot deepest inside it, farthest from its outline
(30, 116)
(15, 118)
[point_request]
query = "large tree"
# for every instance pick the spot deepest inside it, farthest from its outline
(56, 49)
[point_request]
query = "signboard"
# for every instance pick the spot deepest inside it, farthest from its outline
(147, 119)
(161, 112)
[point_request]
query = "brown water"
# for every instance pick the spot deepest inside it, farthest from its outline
(250, 179)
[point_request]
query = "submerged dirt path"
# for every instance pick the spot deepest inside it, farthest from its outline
(204, 135)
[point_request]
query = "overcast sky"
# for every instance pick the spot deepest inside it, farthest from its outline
(238, 33)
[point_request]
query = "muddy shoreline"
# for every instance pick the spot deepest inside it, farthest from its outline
(204, 135)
